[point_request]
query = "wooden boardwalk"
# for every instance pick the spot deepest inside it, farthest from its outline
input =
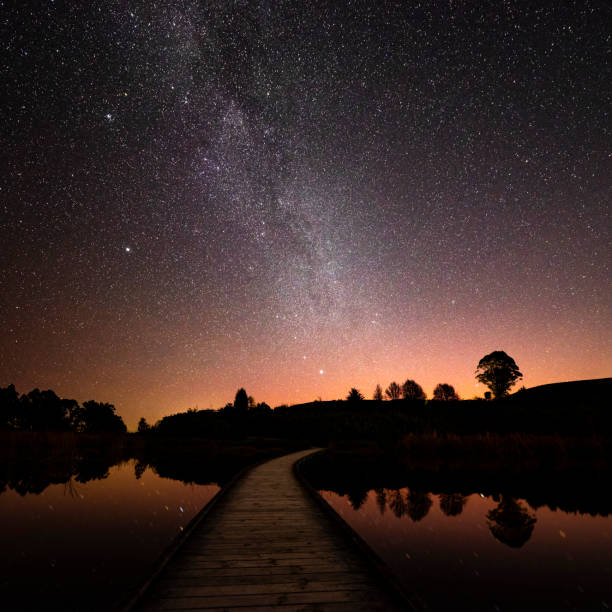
(268, 545)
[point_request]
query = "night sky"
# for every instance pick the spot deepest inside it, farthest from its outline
(298, 197)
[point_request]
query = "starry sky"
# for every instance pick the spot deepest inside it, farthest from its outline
(300, 197)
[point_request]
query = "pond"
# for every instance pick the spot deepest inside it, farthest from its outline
(474, 547)
(84, 544)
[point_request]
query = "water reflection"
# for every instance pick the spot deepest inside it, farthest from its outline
(45, 466)
(478, 540)
(81, 527)
(84, 540)
(452, 504)
(511, 523)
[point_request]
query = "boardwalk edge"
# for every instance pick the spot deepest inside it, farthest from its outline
(381, 568)
(160, 564)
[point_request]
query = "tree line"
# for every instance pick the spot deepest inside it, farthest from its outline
(497, 370)
(45, 411)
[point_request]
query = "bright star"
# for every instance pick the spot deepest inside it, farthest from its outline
(128, 249)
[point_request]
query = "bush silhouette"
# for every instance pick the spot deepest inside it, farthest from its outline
(411, 390)
(393, 391)
(378, 394)
(354, 395)
(445, 392)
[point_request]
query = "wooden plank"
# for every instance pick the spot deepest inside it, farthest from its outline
(273, 599)
(267, 546)
(274, 577)
(269, 588)
(370, 606)
(248, 563)
(273, 552)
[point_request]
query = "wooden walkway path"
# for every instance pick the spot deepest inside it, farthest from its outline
(267, 545)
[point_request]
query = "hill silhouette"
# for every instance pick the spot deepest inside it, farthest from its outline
(593, 390)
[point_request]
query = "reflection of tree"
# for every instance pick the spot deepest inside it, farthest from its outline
(419, 504)
(415, 504)
(357, 497)
(139, 468)
(452, 504)
(381, 500)
(92, 469)
(397, 503)
(510, 522)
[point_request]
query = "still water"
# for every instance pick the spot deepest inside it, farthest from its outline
(473, 552)
(84, 545)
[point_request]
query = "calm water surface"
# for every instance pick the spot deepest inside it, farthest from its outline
(83, 546)
(479, 552)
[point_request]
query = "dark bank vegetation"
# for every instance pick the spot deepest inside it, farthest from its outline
(503, 468)
(45, 411)
(567, 409)
(320, 423)
(560, 473)
(565, 427)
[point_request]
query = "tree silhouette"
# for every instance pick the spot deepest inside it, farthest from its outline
(99, 417)
(354, 395)
(445, 392)
(510, 522)
(260, 408)
(143, 426)
(9, 407)
(45, 411)
(378, 394)
(411, 390)
(498, 371)
(393, 391)
(241, 401)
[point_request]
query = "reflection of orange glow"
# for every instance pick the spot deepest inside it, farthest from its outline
(99, 537)
(568, 557)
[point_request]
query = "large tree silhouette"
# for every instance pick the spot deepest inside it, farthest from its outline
(498, 371)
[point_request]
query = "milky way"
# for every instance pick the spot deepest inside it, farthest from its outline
(300, 197)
